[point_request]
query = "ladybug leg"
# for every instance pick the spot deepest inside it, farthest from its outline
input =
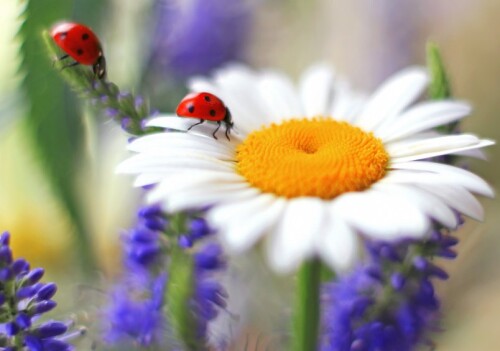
(196, 124)
(59, 58)
(216, 130)
(228, 130)
(70, 65)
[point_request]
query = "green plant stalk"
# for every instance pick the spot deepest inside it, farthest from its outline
(306, 316)
(179, 293)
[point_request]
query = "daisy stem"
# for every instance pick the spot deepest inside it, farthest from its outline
(307, 312)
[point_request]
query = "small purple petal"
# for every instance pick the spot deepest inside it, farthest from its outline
(46, 292)
(50, 329)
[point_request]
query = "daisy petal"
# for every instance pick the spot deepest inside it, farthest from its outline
(279, 96)
(428, 151)
(455, 175)
(199, 181)
(203, 198)
(315, 89)
(150, 163)
(206, 129)
(393, 97)
(239, 89)
(458, 198)
(201, 84)
(474, 153)
(427, 203)
(380, 215)
(296, 233)
(148, 179)
(339, 245)
(424, 117)
(161, 141)
(243, 223)
(346, 103)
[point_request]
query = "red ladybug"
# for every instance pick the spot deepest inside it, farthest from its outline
(205, 107)
(79, 42)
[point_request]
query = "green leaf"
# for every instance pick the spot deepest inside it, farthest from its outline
(439, 88)
(53, 121)
(90, 12)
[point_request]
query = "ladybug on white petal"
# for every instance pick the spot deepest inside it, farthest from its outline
(205, 107)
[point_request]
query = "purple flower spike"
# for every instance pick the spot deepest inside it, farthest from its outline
(389, 304)
(31, 300)
(209, 296)
(134, 313)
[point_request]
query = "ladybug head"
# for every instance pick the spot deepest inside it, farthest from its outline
(99, 67)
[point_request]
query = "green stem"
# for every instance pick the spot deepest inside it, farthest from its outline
(307, 310)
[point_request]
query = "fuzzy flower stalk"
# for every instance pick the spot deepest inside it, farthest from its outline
(128, 110)
(167, 294)
(23, 300)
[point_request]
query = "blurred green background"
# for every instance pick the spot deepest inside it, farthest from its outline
(58, 190)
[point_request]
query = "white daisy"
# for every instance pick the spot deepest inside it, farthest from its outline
(312, 169)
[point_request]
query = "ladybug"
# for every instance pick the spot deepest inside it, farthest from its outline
(80, 43)
(205, 107)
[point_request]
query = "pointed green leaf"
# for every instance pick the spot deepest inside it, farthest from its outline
(439, 88)
(53, 120)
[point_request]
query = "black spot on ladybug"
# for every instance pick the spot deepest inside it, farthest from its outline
(212, 113)
(191, 108)
(85, 36)
(64, 35)
(79, 52)
(207, 98)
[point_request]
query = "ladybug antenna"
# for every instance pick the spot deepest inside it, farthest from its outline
(100, 67)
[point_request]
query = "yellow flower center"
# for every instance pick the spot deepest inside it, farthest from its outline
(318, 157)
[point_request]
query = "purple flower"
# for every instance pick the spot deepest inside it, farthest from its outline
(388, 304)
(209, 296)
(136, 312)
(142, 246)
(194, 37)
(197, 229)
(23, 299)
